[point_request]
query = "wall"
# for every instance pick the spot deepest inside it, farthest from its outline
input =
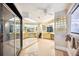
(69, 21)
(60, 36)
(76, 36)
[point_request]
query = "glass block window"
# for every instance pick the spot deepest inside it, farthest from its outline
(60, 24)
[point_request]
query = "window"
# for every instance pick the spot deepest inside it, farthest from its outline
(75, 21)
(60, 24)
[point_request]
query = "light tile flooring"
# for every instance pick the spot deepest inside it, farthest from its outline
(28, 42)
(40, 47)
(34, 47)
(9, 47)
(43, 47)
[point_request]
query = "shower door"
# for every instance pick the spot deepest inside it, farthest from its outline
(17, 35)
(11, 33)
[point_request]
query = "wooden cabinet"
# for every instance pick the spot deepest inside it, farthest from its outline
(29, 35)
(48, 35)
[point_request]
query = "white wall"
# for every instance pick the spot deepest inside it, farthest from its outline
(60, 36)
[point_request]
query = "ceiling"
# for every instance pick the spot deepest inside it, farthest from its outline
(40, 12)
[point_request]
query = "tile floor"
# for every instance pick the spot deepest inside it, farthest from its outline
(43, 47)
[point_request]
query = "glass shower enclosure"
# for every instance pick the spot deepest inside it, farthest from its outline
(11, 32)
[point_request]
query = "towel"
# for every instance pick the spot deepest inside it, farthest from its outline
(68, 38)
(73, 43)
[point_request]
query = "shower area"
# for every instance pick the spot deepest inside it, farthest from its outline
(10, 29)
